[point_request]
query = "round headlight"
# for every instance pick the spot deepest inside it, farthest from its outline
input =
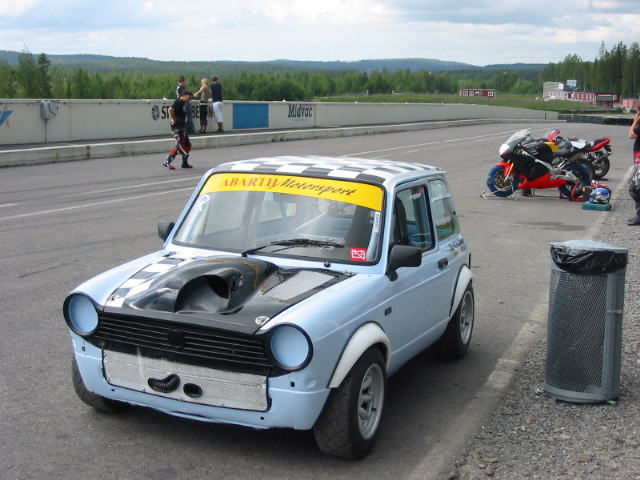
(81, 315)
(290, 347)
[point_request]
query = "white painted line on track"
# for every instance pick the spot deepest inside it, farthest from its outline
(94, 204)
(135, 186)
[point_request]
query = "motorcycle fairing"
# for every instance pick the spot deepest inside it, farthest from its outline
(541, 182)
(600, 143)
(538, 183)
(527, 167)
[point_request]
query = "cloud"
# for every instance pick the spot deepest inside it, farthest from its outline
(480, 32)
(17, 9)
(327, 12)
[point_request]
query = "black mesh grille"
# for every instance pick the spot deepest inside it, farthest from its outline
(191, 342)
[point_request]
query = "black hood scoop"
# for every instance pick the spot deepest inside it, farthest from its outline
(214, 285)
(228, 290)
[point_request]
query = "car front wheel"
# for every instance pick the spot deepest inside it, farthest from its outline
(96, 401)
(348, 426)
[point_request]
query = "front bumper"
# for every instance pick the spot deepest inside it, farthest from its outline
(286, 401)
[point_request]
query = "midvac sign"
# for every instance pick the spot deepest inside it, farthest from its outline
(300, 110)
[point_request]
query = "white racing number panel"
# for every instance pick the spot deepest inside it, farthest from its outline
(187, 383)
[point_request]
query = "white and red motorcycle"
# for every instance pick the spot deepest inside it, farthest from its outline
(596, 152)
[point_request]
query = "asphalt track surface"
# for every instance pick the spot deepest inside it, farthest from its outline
(62, 223)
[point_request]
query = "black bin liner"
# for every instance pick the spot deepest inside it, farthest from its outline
(588, 257)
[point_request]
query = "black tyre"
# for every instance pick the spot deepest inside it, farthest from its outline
(584, 171)
(349, 423)
(95, 401)
(600, 164)
(456, 338)
(500, 185)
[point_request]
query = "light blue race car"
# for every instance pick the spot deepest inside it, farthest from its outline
(284, 295)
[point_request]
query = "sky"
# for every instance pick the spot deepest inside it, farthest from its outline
(476, 32)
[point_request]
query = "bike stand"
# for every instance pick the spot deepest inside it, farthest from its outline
(489, 194)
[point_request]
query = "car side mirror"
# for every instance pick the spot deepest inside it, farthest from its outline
(403, 256)
(164, 228)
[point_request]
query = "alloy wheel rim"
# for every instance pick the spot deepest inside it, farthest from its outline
(370, 400)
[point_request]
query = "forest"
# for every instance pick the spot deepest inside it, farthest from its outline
(615, 70)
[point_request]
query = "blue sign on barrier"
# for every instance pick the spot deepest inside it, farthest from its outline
(247, 115)
(4, 116)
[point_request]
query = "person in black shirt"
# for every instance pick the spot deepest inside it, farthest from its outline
(179, 90)
(178, 121)
(634, 183)
(216, 98)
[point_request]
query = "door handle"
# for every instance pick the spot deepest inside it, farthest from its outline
(443, 262)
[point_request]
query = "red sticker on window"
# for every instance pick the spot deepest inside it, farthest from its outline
(359, 254)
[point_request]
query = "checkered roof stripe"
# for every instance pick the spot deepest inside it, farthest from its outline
(345, 168)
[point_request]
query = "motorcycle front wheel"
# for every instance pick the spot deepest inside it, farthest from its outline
(584, 172)
(500, 185)
(600, 164)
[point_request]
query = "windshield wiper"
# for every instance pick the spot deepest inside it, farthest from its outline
(296, 242)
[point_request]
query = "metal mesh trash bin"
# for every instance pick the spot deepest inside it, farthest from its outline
(584, 329)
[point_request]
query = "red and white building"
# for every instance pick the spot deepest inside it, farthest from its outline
(477, 92)
(558, 91)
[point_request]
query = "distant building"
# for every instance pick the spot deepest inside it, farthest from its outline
(631, 104)
(554, 91)
(477, 92)
(570, 91)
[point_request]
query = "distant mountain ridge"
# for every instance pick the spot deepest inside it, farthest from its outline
(104, 63)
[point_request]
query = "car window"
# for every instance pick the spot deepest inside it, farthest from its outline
(412, 225)
(443, 210)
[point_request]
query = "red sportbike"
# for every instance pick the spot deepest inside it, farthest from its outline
(535, 164)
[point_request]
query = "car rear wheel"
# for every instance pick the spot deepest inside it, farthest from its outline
(348, 426)
(456, 338)
(95, 401)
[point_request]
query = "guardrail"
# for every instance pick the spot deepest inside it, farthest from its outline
(596, 119)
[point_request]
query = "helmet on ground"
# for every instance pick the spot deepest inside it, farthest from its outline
(600, 195)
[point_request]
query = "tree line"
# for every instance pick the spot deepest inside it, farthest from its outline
(613, 71)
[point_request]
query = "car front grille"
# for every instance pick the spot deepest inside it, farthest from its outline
(192, 343)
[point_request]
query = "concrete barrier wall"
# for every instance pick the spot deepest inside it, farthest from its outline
(42, 122)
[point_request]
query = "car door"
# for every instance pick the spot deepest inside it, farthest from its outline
(420, 296)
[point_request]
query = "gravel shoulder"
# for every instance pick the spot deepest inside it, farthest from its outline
(532, 436)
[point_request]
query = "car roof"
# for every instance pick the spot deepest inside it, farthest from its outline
(381, 172)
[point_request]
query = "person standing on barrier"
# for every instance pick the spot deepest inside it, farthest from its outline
(216, 97)
(191, 129)
(178, 121)
(204, 94)
(634, 183)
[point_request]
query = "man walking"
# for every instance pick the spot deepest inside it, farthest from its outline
(178, 121)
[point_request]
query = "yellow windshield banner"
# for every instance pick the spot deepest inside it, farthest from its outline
(362, 194)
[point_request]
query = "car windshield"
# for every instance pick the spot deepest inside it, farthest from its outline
(320, 218)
